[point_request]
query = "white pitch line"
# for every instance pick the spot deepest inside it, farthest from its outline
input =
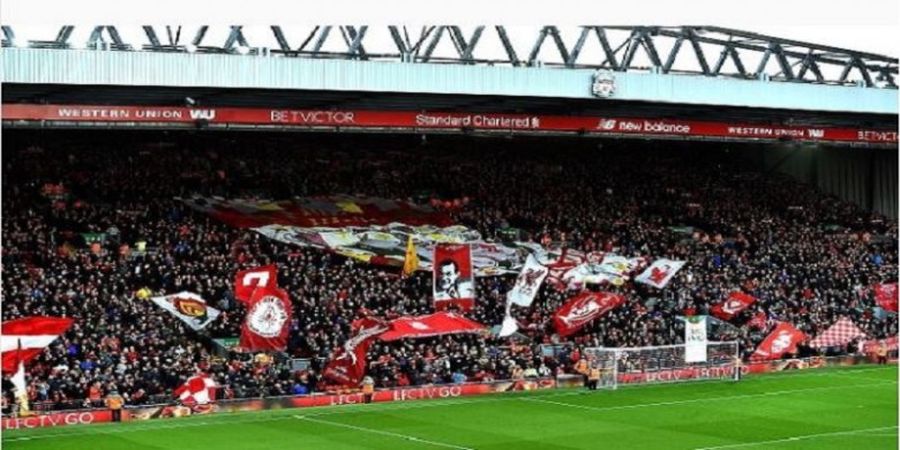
(385, 433)
(695, 400)
(797, 438)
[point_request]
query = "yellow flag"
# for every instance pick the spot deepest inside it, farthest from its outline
(411, 262)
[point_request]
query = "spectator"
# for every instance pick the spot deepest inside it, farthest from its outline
(806, 256)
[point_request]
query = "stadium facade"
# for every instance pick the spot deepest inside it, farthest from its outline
(804, 99)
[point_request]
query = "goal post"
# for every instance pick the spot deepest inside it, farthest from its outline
(663, 364)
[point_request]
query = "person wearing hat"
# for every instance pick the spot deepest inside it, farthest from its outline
(114, 402)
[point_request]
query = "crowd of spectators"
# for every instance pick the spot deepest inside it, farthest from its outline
(808, 257)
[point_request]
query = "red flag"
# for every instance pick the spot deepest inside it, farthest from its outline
(268, 320)
(197, 390)
(247, 281)
(583, 308)
(886, 296)
(436, 324)
(737, 301)
(759, 320)
(783, 339)
(454, 282)
(568, 259)
(348, 363)
(34, 333)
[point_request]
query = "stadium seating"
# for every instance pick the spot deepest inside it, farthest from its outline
(808, 257)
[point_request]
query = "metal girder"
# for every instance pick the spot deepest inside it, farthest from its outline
(786, 69)
(353, 39)
(698, 51)
(439, 31)
(795, 60)
(236, 35)
(61, 41)
(323, 34)
(607, 49)
(510, 51)
(279, 37)
(647, 44)
(728, 51)
(811, 65)
(96, 40)
(631, 46)
(9, 36)
(408, 50)
(462, 47)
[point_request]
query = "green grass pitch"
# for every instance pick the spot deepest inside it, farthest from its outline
(842, 408)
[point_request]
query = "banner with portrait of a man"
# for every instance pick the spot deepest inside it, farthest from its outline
(454, 282)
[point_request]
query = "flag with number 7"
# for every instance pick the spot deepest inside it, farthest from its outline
(247, 281)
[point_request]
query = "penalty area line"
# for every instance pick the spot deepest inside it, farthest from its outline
(382, 432)
(697, 400)
(797, 438)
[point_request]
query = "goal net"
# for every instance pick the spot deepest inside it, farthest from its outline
(662, 364)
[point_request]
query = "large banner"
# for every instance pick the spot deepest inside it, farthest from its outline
(383, 395)
(783, 339)
(886, 296)
(660, 273)
(735, 303)
(112, 114)
(528, 283)
(695, 341)
(24, 339)
(348, 363)
(324, 211)
(453, 278)
(583, 308)
(564, 264)
(388, 245)
(190, 308)
(268, 320)
(58, 419)
(436, 324)
(670, 375)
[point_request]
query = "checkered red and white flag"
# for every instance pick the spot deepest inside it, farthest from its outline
(197, 390)
(842, 332)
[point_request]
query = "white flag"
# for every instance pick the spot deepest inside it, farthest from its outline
(695, 339)
(523, 292)
(188, 307)
(528, 283)
(619, 266)
(590, 273)
(508, 327)
(18, 381)
(660, 272)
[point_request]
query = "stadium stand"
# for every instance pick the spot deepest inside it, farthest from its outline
(808, 257)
